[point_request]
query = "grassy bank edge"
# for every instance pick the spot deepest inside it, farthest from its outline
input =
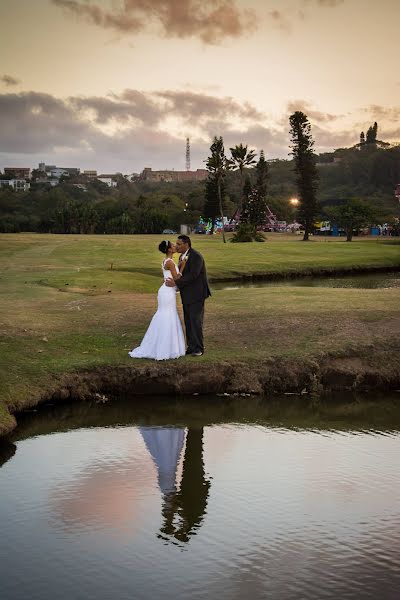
(374, 368)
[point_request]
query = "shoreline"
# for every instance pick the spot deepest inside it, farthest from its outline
(310, 272)
(354, 358)
(372, 369)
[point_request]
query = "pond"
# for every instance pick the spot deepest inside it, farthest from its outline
(366, 281)
(203, 498)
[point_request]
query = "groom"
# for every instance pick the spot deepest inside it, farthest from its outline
(193, 286)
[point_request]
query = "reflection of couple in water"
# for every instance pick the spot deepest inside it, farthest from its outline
(184, 508)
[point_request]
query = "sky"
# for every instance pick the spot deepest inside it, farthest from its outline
(118, 85)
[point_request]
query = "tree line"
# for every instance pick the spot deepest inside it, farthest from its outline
(240, 183)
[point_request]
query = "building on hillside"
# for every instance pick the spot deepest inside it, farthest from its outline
(18, 172)
(149, 175)
(19, 185)
(112, 175)
(50, 182)
(108, 181)
(54, 171)
(90, 174)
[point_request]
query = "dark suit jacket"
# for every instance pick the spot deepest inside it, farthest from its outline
(193, 284)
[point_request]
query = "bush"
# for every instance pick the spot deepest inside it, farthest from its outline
(247, 233)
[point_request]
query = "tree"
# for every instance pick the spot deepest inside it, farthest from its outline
(372, 132)
(241, 158)
(218, 165)
(305, 169)
(211, 204)
(262, 175)
(353, 215)
(245, 212)
(257, 198)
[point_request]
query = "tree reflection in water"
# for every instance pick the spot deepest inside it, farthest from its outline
(184, 508)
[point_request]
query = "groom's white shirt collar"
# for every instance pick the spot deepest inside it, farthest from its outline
(184, 255)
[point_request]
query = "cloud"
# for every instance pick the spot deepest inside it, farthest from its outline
(376, 112)
(149, 128)
(192, 105)
(9, 80)
(209, 20)
(329, 3)
(312, 113)
(324, 3)
(72, 128)
(35, 122)
(280, 20)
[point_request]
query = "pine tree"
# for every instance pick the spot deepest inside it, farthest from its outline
(306, 170)
(362, 138)
(374, 132)
(262, 175)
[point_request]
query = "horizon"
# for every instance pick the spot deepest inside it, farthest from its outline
(118, 86)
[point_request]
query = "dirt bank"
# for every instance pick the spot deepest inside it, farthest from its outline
(377, 370)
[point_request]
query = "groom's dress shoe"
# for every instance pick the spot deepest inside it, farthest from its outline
(196, 353)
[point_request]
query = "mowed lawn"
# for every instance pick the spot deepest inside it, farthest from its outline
(72, 302)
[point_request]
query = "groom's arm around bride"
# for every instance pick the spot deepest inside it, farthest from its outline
(194, 289)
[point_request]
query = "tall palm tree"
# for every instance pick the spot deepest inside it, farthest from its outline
(241, 158)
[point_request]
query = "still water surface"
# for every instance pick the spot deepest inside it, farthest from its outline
(199, 499)
(369, 281)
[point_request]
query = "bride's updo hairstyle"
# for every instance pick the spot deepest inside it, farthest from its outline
(163, 247)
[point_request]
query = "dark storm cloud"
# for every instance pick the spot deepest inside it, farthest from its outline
(209, 20)
(9, 80)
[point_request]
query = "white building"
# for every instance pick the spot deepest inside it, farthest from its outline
(108, 181)
(19, 185)
(58, 172)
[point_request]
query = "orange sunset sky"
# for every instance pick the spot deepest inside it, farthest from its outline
(117, 85)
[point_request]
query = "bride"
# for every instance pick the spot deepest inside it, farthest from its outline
(164, 338)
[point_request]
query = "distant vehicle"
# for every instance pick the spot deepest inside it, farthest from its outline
(169, 231)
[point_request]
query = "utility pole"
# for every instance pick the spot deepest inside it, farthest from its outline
(187, 154)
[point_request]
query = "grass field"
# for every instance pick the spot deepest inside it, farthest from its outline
(63, 307)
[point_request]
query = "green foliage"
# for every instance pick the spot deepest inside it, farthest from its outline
(246, 232)
(245, 212)
(241, 158)
(371, 134)
(218, 165)
(211, 205)
(305, 168)
(353, 215)
(262, 175)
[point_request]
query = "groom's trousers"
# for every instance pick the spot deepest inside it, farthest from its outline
(194, 317)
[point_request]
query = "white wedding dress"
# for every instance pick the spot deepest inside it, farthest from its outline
(164, 338)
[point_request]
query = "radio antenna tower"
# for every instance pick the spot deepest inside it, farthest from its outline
(187, 154)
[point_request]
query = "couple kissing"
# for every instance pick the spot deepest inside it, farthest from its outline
(164, 338)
